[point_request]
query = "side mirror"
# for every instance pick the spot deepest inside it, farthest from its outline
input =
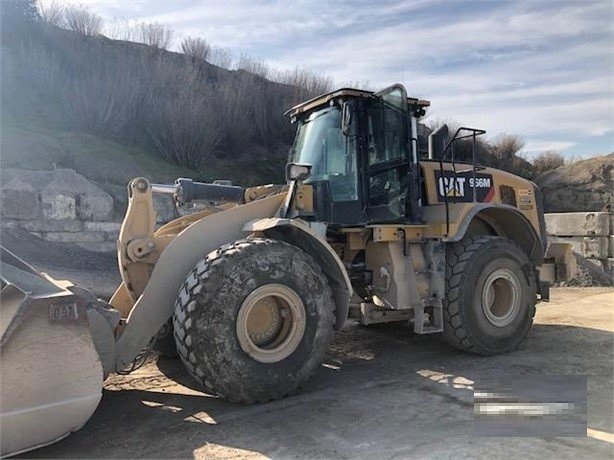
(295, 171)
(437, 142)
(346, 118)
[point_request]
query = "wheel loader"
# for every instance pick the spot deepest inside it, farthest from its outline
(249, 289)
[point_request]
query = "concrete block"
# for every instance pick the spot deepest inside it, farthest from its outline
(104, 246)
(589, 247)
(611, 246)
(112, 236)
(53, 225)
(59, 206)
(595, 247)
(19, 200)
(578, 224)
(609, 269)
(165, 208)
(59, 200)
(103, 226)
(75, 237)
(95, 205)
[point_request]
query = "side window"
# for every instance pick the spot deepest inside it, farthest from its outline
(386, 154)
(385, 136)
(341, 165)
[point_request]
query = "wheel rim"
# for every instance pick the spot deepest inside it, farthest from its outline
(501, 297)
(271, 323)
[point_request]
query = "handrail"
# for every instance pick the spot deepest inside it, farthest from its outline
(473, 134)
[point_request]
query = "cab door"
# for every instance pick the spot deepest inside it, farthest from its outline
(387, 157)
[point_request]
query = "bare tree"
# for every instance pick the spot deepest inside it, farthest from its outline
(196, 48)
(253, 65)
(82, 20)
(156, 35)
(221, 57)
(505, 148)
(547, 161)
(306, 83)
(120, 29)
(51, 11)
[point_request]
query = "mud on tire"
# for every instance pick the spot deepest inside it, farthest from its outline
(215, 297)
(490, 295)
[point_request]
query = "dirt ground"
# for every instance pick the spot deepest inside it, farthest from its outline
(382, 393)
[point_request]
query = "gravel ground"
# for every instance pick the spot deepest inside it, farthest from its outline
(92, 270)
(383, 392)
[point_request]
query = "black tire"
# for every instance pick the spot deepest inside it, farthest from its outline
(208, 310)
(483, 320)
(164, 341)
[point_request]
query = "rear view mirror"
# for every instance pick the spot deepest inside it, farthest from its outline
(346, 118)
(437, 142)
(295, 171)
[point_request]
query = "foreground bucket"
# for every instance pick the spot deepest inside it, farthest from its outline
(50, 373)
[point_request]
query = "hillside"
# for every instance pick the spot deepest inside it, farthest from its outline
(586, 185)
(92, 104)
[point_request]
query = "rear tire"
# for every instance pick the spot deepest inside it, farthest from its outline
(490, 295)
(254, 320)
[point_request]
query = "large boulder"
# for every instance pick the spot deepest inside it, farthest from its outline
(19, 200)
(586, 185)
(63, 195)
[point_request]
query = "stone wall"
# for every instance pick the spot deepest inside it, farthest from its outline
(591, 235)
(60, 206)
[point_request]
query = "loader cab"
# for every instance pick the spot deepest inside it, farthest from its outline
(362, 155)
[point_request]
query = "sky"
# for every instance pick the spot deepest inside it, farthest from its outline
(541, 69)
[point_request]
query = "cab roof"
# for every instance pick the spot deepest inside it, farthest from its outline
(324, 99)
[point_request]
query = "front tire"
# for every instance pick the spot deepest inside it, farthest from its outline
(490, 295)
(254, 320)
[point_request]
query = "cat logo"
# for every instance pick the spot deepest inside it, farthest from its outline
(464, 187)
(452, 186)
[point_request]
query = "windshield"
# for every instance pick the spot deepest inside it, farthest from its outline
(318, 137)
(321, 143)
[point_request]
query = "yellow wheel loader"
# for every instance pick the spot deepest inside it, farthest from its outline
(248, 290)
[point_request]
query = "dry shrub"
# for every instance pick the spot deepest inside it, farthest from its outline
(157, 35)
(221, 57)
(547, 161)
(51, 11)
(121, 29)
(306, 82)
(506, 148)
(183, 122)
(80, 19)
(253, 65)
(196, 48)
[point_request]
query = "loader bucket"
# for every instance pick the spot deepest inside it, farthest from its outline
(50, 373)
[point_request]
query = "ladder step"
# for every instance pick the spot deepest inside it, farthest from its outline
(428, 319)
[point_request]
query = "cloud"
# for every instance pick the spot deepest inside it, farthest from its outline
(545, 146)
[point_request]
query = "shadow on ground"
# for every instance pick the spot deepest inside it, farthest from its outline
(381, 392)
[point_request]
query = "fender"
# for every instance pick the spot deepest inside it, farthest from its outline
(156, 304)
(301, 235)
(506, 221)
